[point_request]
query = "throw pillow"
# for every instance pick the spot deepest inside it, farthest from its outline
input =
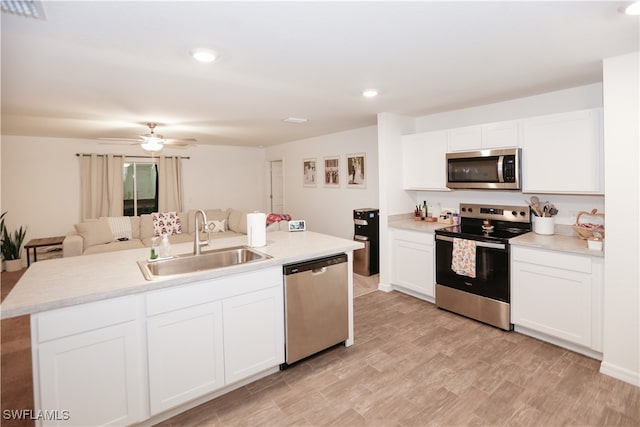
(166, 223)
(120, 227)
(216, 226)
(94, 232)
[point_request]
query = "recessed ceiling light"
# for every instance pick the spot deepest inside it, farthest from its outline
(296, 120)
(203, 55)
(370, 93)
(633, 8)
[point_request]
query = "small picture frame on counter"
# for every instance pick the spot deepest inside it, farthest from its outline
(297, 225)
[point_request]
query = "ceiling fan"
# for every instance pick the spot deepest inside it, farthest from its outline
(154, 142)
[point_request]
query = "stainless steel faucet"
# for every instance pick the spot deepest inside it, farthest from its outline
(196, 240)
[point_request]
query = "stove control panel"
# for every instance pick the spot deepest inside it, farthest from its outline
(496, 212)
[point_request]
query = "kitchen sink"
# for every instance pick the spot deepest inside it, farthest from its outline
(209, 260)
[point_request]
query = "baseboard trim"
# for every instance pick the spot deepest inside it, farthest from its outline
(385, 287)
(620, 373)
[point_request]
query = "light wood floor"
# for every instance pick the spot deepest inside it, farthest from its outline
(411, 365)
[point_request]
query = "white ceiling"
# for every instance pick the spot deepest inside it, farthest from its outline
(103, 69)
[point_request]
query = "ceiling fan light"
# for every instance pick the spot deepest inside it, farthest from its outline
(153, 145)
(633, 9)
(203, 55)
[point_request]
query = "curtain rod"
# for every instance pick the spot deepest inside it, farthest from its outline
(131, 157)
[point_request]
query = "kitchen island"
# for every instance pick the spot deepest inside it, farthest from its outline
(112, 348)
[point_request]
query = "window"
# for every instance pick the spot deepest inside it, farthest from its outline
(140, 188)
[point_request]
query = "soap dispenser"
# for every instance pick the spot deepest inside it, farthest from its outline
(165, 247)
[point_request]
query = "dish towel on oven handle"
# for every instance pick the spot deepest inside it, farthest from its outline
(463, 257)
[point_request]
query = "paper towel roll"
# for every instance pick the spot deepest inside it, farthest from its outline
(256, 229)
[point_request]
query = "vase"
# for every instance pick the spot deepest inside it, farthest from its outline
(13, 264)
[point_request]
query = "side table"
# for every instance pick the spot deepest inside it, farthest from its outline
(40, 243)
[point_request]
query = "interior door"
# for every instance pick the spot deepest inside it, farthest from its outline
(277, 187)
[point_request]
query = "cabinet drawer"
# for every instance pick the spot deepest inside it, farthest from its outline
(85, 317)
(552, 259)
(413, 236)
(211, 290)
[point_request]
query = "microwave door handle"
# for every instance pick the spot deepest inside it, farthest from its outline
(500, 168)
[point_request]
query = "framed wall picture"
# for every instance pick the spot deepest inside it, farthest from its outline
(309, 172)
(332, 171)
(356, 171)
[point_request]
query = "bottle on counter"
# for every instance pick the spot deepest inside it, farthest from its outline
(165, 247)
(425, 210)
(154, 248)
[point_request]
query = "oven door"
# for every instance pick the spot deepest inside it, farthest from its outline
(492, 269)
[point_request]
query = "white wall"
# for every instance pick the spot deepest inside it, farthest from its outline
(622, 189)
(41, 180)
(328, 210)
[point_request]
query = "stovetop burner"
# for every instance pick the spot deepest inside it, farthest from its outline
(490, 222)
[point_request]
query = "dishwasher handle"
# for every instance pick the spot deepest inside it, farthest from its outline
(314, 265)
(317, 271)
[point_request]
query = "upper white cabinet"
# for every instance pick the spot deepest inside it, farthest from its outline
(487, 136)
(465, 139)
(563, 153)
(423, 158)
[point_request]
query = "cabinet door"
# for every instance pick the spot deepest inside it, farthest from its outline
(563, 153)
(93, 378)
(501, 135)
(413, 262)
(553, 301)
(185, 355)
(424, 161)
(253, 333)
(465, 139)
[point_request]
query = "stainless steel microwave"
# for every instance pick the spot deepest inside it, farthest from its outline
(484, 169)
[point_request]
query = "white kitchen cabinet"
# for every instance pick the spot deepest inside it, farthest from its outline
(186, 358)
(412, 262)
(424, 161)
(210, 334)
(563, 153)
(486, 136)
(88, 364)
(253, 333)
(468, 138)
(559, 296)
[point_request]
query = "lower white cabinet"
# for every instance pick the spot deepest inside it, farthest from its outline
(253, 333)
(88, 364)
(558, 295)
(124, 360)
(186, 357)
(413, 259)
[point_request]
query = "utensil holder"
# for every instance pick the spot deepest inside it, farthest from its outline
(544, 225)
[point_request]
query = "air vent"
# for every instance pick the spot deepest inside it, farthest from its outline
(26, 8)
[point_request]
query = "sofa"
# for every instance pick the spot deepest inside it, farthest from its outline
(110, 234)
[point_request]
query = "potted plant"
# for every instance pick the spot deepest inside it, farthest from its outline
(12, 246)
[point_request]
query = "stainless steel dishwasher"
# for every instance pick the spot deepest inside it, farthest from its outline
(316, 306)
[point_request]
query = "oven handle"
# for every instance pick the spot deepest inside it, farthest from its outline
(478, 243)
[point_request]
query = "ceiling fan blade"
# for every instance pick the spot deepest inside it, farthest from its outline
(121, 139)
(182, 140)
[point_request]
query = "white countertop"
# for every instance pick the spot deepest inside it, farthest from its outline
(563, 242)
(556, 242)
(413, 225)
(57, 283)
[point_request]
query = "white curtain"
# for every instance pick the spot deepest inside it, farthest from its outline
(101, 185)
(170, 184)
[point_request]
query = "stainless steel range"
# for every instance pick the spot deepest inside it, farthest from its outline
(473, 262)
